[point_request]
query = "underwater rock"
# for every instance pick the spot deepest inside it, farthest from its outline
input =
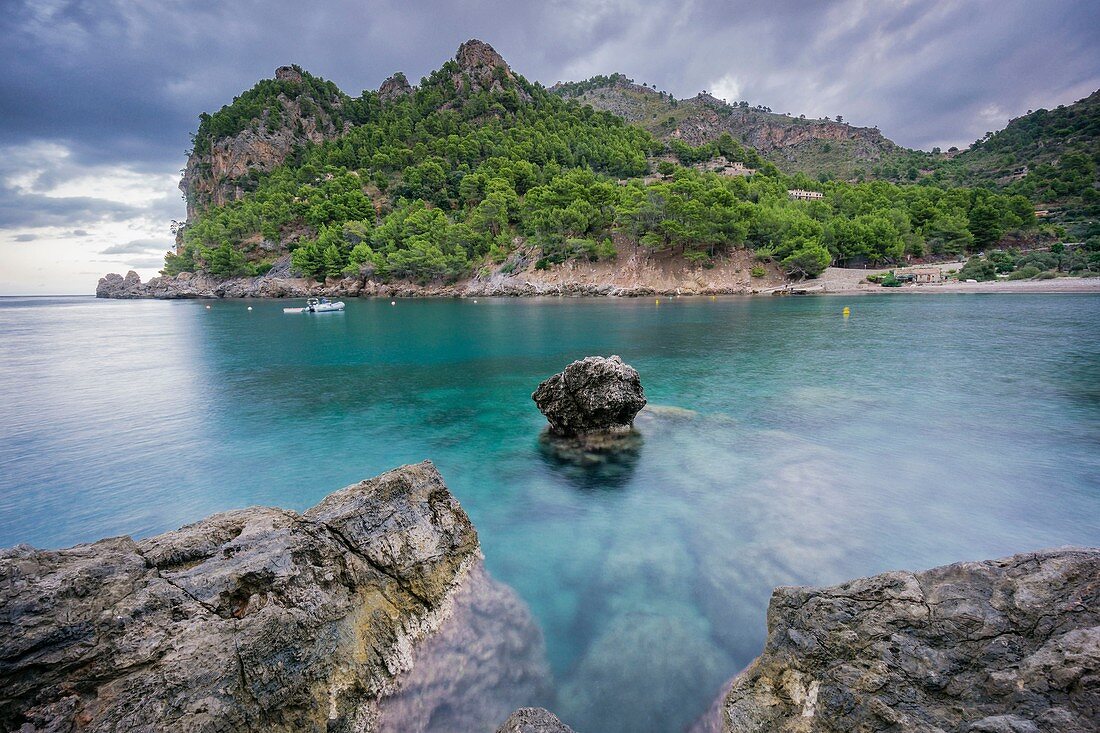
(1002, 645)
(595, 394)
(259, 618)
(593, 460)
(643, 670)
(485, 660)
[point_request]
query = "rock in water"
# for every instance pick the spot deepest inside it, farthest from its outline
(1003, 646)
(533, 720)
(257, 619)
(595, 394)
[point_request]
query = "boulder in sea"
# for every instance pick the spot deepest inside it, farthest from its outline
(1002, 646)
(256, 619)
(593, 395)
(533, 720)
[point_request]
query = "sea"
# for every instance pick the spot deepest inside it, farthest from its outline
(784, 443)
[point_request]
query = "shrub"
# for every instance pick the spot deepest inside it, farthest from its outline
(1048, 275)
(758, 271)
(1024, 273)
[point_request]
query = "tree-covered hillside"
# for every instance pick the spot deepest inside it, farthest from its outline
(1050, 156)
(476, 162)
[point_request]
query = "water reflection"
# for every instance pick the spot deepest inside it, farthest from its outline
(593, 462)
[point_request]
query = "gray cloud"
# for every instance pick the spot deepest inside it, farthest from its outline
(138, 246)
(25, 237)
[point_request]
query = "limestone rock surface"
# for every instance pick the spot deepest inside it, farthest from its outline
(255, 619)
(1002, 646)
(592, 395)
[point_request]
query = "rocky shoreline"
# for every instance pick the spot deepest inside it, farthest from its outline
(633, 274)
(264, 619)
(372, 612)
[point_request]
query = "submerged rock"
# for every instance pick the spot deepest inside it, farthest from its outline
(596, 394)
(1006, 645)
(484, 660)
(533, 720)
(258, 619)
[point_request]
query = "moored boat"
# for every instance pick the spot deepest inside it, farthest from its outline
(318, 305)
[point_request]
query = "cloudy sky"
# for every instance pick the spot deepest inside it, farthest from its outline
(98, 96)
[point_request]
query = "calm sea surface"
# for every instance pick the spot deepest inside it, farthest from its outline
(788, 445)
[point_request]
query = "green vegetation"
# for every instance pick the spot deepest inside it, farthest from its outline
(436, 184)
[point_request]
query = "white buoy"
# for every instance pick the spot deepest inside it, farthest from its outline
(249, 307)
(393, 302)
(207, 307)
(475, 300)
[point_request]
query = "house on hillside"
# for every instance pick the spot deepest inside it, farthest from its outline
(800, 195)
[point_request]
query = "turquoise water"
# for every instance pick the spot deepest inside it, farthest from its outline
(804, 448)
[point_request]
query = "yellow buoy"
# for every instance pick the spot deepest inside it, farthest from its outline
(656, 301)
(847, 311)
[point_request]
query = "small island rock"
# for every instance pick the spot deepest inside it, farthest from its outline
(595, 394)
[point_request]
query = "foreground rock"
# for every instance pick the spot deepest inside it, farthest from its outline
(533, 720)
(1004, 646)
(257, 619)
(594, 395)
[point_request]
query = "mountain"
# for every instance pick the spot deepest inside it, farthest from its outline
(795, 144)
(477, 172)
(1050, 156)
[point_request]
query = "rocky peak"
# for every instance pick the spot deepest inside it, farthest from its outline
(395, 87)
(288, 73)
(476, 56)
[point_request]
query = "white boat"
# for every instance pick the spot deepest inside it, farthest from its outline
(318, 305)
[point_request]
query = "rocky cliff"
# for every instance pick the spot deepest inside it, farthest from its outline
(264, 619)
(295, 113)
(1003, 646)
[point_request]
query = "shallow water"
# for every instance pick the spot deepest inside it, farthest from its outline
(803, 448)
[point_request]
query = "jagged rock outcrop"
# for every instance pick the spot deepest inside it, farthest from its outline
(1002, 646)
(395, 87)
(533, 720)
(484, 69)
(114, 285)
(256, 619)
(593, 395)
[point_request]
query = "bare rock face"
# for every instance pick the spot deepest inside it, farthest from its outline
(593, 395)
(218, 177)
(533, 720)
(257, 619)
(288, 73)
(1003, 646)
(395, 87)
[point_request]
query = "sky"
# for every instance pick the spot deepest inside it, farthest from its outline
(98, 97)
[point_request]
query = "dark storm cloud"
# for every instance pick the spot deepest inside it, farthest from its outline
(122, 81)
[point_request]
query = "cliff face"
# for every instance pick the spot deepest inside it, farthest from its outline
(257, 619)
(220, 175)
(1003, 646)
